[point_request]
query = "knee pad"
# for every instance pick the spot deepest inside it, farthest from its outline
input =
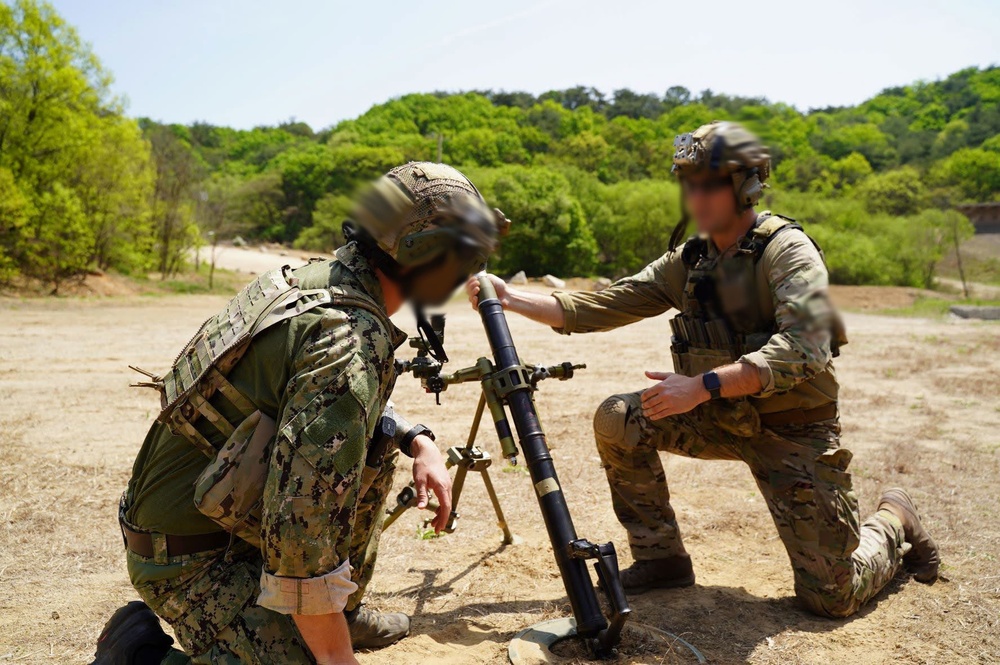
(612, 422)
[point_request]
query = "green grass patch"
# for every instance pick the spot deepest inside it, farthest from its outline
(933, 307)
(224, 282)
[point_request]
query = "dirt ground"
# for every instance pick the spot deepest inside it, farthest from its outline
(920, 410)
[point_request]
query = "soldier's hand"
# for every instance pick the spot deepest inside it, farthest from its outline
(431, 475)
(675, 393)
(472, 289)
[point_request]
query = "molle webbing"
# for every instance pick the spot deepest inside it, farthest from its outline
(200, 370)
(702, 326)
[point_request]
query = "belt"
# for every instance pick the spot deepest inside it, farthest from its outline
(799, 416)
(142, 543)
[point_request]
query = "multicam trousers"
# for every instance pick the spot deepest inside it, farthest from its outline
(209, 598)
(801, 472)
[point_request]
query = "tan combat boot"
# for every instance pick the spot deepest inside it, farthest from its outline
(374, 630)
(923, 558)
(667, 573)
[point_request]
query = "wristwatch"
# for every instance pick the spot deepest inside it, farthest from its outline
(712, 384)
(415, 431)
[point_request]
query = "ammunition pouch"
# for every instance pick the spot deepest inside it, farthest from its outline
(230, 490)
(691, 358)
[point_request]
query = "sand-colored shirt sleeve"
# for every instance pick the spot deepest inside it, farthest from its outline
(798, 281)
(648, 293)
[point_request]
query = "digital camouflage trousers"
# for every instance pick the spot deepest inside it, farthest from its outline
(801, 472)
(209, 598)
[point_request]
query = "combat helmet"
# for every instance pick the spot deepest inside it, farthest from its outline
(427, 227)
(725, 148)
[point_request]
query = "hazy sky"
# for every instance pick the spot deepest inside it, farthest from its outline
(252, 62)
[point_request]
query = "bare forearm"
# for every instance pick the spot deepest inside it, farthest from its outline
(739, 380)
(539, 307)
(676, 393)
(328, 638)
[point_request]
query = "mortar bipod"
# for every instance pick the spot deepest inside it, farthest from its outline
(467, 458)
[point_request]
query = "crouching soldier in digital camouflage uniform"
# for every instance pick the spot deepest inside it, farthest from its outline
(752, 349)
(261, 553)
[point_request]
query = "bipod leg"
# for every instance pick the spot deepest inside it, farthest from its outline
(508, 537)
(463, 468)
(456, 494)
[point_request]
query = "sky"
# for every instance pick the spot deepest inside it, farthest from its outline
(249, 62)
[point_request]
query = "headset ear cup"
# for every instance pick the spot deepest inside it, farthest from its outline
(750, 190)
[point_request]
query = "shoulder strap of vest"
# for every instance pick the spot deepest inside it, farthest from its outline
(201, 369)
(765, 229)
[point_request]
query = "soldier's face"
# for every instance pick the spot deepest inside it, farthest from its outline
(710, 201)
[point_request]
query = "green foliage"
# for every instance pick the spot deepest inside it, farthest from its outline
(898, 192)
(551, 233)
(15, 211)
(866, 248)
(973, 173)
(633, 223)
(76, 175)
(585, 176)
(325, 233)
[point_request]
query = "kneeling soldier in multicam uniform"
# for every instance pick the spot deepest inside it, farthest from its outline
(255, 506)
(752, 349)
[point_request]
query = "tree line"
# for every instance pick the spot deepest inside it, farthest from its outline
(585, 176)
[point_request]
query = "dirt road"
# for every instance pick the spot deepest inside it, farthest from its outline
(920, 408)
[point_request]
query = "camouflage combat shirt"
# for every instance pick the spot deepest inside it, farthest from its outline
(325, 376)
(795, 365)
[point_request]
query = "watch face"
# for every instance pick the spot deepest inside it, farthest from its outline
(711, 381)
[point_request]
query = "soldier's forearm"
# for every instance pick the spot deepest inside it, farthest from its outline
(539, 307)
(328, 638)
(739, 380)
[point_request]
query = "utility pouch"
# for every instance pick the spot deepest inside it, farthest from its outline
(736, 416)
(378, 448)
(695, 360)
(230, 490)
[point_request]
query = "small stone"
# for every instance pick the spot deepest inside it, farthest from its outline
(518, 278)
(601, 283)
(554, 282)
(55, 615)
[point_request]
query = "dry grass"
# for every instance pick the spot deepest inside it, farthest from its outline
(920, 410)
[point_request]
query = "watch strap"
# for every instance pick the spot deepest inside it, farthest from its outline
(415, 431)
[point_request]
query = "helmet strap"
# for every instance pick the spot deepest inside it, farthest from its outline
(370, 249)
(680, 230)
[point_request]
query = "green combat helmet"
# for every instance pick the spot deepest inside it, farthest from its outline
(724, 148)
(426, 226)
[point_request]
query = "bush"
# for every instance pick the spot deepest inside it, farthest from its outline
(550, 232)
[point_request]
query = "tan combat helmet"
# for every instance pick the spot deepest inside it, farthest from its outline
(726, 148)
(429, 226)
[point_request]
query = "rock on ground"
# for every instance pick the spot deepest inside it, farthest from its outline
(601, 283)
(976, 312)
(554, 282)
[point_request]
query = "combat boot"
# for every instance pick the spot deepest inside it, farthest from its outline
(667, 573)
(132, 636)
(923, 558)
(374, 630)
